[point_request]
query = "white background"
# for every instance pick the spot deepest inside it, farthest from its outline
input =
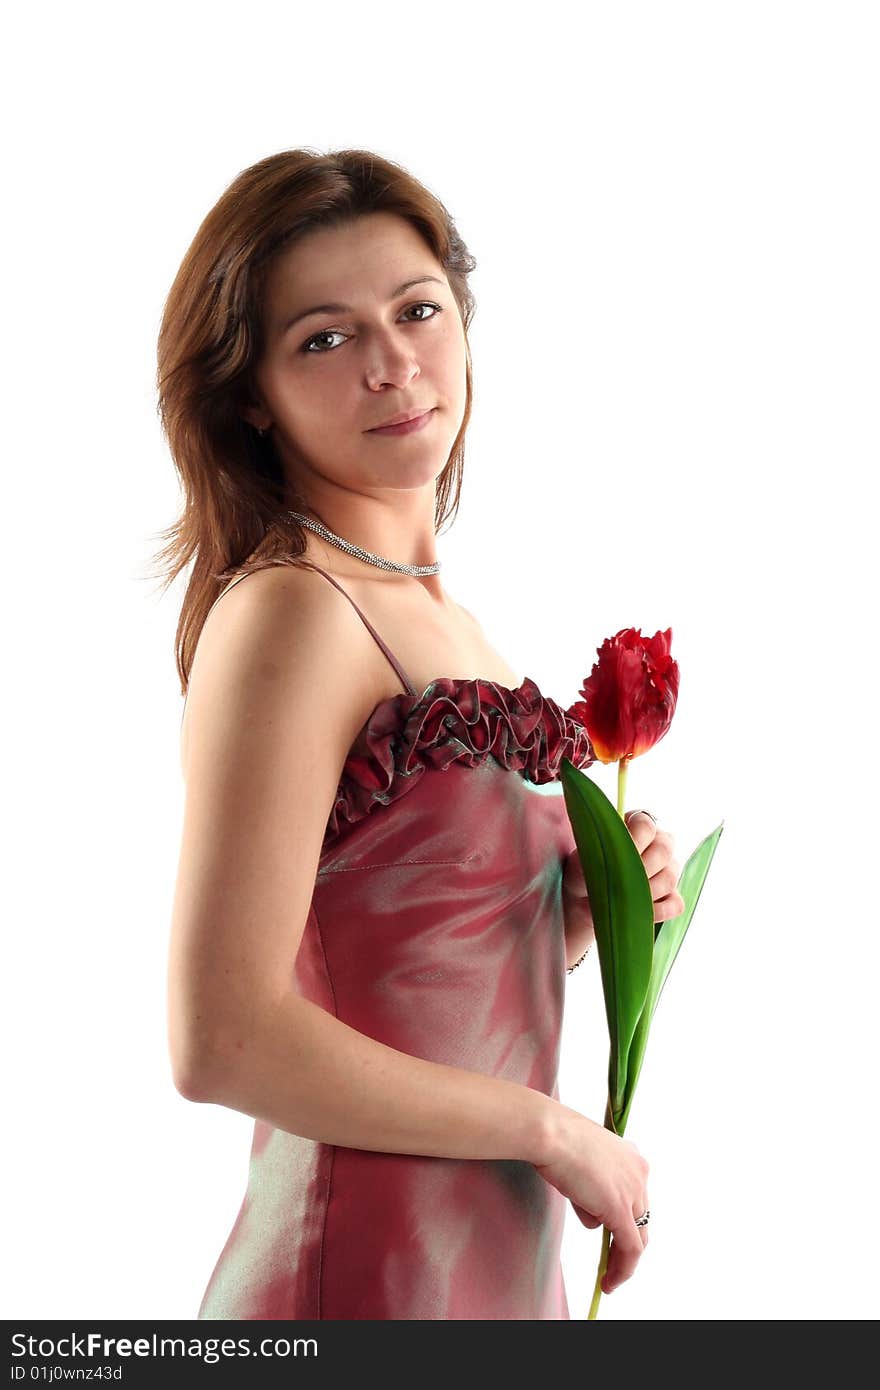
(674, 209)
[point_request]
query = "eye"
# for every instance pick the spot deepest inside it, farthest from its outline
(334, 332)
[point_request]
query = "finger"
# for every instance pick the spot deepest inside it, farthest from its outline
(642, 1230)
(662, 882)
(637, 1215)
(624, 1254)
(671, 906)
(642, 827)
(587, 1217)
(659, 855)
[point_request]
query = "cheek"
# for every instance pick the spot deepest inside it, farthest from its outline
(307, 400)
(447, 360)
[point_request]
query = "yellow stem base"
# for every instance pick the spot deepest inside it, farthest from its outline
(603, 1265)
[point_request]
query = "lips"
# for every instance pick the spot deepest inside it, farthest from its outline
(403, 418)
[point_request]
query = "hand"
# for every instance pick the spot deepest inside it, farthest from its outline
(655, 846)
(605, 1177)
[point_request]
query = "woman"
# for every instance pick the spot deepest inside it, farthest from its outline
(374, 910)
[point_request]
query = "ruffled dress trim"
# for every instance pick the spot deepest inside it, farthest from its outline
(454, 721)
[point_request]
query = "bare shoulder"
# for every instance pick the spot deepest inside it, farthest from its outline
(279, 643)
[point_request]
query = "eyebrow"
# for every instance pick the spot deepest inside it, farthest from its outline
(346, 308)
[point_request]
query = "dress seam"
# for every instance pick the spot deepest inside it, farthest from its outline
(394, 864)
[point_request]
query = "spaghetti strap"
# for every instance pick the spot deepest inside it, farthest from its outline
(410, 688)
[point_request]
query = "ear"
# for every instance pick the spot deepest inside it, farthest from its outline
(253, 406)
(257, 417)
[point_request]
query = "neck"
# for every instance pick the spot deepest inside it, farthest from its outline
(340, 562)
(385, 538)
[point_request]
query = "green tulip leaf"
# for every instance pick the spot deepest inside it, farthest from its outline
(623, 913)
(670, 935)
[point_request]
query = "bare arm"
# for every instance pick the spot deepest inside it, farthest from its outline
(301, 1069)
(580, 933)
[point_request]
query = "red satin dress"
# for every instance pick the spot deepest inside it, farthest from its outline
(435, 926)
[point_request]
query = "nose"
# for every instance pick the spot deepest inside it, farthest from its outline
(391, 364)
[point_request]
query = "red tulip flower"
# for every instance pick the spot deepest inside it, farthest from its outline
(630, 695)
(627, 705)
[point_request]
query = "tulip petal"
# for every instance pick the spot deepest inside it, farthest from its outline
(623, 913)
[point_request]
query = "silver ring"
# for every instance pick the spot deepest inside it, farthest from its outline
(642, 812)
(643, 1219)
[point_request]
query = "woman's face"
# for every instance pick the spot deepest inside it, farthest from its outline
(327, 378)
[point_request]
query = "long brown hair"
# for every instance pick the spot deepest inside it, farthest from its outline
(234, 517)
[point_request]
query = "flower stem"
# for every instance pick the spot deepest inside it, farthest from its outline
(606, 1235)
(603, 1265)
(622, 768)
